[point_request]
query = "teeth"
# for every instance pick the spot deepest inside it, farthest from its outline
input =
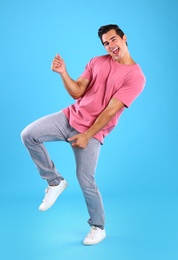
(115, 49)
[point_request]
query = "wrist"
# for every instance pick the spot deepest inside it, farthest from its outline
(88, 134)
(63, 74)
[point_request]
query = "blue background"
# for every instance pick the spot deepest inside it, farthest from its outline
(138, 166)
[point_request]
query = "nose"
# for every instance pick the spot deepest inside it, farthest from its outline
(111, 44)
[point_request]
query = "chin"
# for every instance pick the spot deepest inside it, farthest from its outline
(116, 59)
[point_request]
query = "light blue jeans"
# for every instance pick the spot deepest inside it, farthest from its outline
(55, 127)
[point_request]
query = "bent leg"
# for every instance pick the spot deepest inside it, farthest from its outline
(49, 128)
(86, 161)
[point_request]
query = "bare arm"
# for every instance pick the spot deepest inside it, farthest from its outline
(81, 140)
(77, 88)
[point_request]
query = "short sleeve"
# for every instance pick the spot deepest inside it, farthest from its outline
(87, 74)
(131, 87)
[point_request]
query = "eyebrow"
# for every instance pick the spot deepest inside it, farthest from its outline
(109, 39)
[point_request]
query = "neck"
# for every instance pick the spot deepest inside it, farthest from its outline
(126, 59)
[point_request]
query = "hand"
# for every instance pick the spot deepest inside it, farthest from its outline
(58, 65)
(79, 140)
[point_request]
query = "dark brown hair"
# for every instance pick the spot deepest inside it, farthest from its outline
(106, 28)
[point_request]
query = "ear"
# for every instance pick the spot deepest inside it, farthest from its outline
(125, 38)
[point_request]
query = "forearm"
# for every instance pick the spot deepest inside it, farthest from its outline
(98, 125)
(75, 88)
(103, 119)
(81, 140)
(71, 85)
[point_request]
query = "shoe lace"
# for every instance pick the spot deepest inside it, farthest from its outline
(47, 196)
(93, 231)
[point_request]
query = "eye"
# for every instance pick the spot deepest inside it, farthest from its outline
(106, 44)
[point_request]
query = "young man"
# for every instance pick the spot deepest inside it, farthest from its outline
(108, 85)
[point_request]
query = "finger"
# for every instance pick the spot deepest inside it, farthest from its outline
(58, 57)
(72, 138)
(74, 144)
(56, 63)
(54, 66)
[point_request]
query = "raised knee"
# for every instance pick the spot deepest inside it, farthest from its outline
(25, 135)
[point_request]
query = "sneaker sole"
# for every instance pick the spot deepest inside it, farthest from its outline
(93, 243)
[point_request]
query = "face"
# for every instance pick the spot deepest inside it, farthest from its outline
(115, 45)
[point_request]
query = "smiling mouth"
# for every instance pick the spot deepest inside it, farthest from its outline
(116, 50)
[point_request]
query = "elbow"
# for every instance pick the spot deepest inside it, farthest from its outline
(74, 96)
(77, 95)
(78, 92)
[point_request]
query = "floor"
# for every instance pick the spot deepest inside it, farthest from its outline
(138, 228)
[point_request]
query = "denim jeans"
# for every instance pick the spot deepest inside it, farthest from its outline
(55, 127)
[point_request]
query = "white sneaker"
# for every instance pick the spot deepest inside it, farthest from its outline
(95, 236)
(52, 193)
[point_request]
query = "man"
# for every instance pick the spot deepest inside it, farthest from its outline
(108, 85)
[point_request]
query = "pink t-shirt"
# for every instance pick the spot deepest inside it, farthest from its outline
(108, 79)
